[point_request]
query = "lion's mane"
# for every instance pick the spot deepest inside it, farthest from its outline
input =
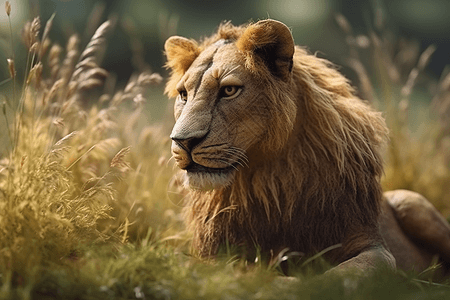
(317, 182)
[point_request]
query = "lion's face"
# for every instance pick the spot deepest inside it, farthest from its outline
(220, 114)
(225, 110)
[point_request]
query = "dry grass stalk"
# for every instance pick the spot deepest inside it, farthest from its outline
(119, 161)
(148, 79)
(137, 47)
(59, 194)
(139, 100)
(87, 74)
(12, 71)
(58, 122)
(354, 61)
(94, 19)
(55, 88)
(35, 74)
(11, 68)
(344, 24)
(30, 32)
(65, 138)
(8, 8)
(423, 62)
(136, 86)
(45, 40)
(70, 60)
(97, 44)
(86, 64)
(364, 80)
(88, 84)
(54, 60)
(425, 57)
(419, 163)
(7, 122)
(441, 102)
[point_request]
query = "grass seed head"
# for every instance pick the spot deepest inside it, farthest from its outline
(30, 32)
(344, 24)
(66, 138)
(11, 68)
(58, 122)
(35, 27)
(119, 161)
(34, 48)
(8, 8)
(139, 100)
(149, 79)
(97, 44)
(54, 54)
(48, 27)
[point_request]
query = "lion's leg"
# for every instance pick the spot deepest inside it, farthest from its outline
(366, 261)
(408, 255)
(410, 222)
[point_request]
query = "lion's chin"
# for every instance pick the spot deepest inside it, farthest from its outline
(207, 181)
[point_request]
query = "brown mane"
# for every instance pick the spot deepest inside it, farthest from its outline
(315, 183)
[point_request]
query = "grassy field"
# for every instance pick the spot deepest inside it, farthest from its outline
(90, 204)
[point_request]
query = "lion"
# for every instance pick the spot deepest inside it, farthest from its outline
(279, 154)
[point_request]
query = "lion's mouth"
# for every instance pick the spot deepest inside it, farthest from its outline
(196, 168)
(204, 178)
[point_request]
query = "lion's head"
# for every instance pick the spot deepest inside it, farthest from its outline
(292, 156)
(226, 113)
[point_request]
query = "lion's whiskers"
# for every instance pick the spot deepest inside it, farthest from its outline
(228, 163)
(238, 155)
(239, 163)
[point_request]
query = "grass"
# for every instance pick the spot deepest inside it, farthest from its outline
(91, 205)
(392, 75)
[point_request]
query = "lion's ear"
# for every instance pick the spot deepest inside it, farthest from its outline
(271, 41)
(181, 53)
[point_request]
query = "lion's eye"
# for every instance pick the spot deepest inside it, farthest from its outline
(230, 92)
(183, 95)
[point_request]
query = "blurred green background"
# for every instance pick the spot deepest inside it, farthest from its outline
(312, 22)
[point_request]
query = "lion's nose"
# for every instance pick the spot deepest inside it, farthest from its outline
(188, 143)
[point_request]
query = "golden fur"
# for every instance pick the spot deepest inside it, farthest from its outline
(306, 150)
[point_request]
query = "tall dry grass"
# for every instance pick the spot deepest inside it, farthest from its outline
(90, 206)
(74, 172)
(391, 71)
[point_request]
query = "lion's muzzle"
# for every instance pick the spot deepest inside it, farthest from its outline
(212, 172)
(183, 144)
